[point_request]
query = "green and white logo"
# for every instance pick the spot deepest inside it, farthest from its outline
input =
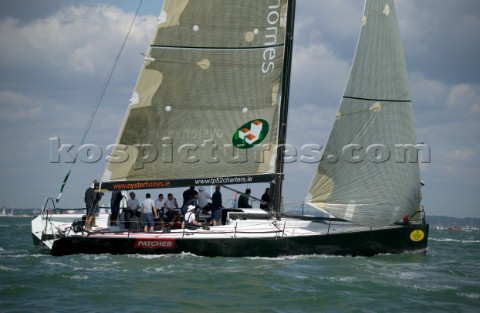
(250, 134)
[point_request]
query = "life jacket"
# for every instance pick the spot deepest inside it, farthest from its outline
(187, 218)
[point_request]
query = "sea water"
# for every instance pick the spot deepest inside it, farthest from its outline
(447, 279)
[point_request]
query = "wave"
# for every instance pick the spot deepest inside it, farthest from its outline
(303, 257)
(474, 296)
(454, 240)
(76, 277)
(8, 269)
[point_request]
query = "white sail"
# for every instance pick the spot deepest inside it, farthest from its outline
(206, 106)
(369, 173)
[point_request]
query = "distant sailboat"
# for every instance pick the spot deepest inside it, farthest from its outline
(471, 226)
(5, 212)
(455, 228)
(215, 87)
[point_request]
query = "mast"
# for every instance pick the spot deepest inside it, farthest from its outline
(282, 135)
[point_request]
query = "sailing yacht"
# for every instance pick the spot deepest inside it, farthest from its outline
(210, 107)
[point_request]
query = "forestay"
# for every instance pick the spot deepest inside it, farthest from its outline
(369, 173)
(206, 105)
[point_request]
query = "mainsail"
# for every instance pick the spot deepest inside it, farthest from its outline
(369, 172)
(207, 103)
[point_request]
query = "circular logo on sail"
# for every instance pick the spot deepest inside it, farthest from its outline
(250, 134)
(417, 235)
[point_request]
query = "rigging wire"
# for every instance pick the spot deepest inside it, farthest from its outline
(100, 98)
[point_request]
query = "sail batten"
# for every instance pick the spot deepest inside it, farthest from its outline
(207, 101)
(364, 176)
(370, 99)
(216, 48)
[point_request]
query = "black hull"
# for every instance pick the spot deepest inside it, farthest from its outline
(364, 243)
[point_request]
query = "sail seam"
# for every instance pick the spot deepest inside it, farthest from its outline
(379, 100)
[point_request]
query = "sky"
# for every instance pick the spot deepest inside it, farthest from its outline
(55, 56)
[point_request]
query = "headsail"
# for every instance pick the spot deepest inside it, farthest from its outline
(369, 173)
(206, 106)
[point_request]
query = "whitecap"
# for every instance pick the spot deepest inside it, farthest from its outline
(77, 277)
(470, 241)
(472, 295)
(444, 239)
(299, 257)
(410, 275)
(8, 269)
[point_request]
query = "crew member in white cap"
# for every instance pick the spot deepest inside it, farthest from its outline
(190, 217)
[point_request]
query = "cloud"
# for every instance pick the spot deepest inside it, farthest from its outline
(318, 71)
(25, 10)
(53, 67)
(17, 107)
(464, 155)
(74, 40)
(426, 91)
(465, 96)
(57, 64)
(332, 20)
(441, 40)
